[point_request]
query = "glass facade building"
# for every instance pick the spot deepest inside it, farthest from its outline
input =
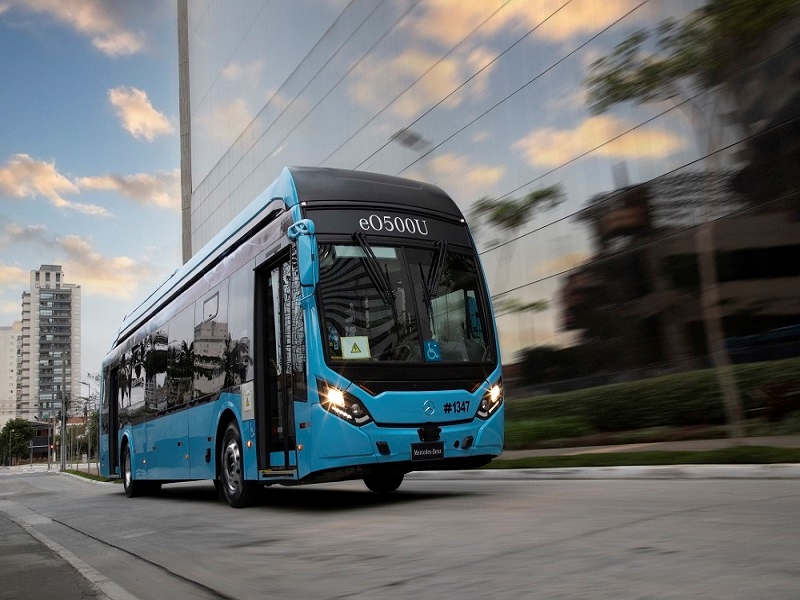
(618, 211)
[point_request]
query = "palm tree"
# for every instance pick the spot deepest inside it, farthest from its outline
(511, 214)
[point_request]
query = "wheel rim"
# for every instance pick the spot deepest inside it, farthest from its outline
(232, 467)
(127, 469)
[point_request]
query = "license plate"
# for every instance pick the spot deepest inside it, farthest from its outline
(429, 451)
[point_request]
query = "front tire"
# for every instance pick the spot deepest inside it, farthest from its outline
(384, 483)
(238, 492)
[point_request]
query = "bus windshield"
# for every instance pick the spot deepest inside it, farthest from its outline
(402, 303)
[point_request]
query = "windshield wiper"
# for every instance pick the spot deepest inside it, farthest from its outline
(373, 268)
(437, 267)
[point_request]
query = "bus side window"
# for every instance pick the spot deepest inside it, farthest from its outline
(211, 342)
(123, 398)
(180, 367)
(239, 367)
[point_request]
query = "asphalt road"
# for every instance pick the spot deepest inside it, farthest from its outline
(499, 535)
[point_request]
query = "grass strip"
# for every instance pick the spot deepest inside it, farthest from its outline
(86, 475)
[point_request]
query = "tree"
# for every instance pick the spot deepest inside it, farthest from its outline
(510, 214)
(15, 440)
(93, 429)
(701, 53)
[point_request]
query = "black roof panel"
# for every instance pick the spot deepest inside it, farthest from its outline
(324, 184)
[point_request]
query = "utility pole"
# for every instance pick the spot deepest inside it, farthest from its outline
(86, 412)
(63, 409)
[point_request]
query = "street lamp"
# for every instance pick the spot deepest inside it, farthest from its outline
(88, 396)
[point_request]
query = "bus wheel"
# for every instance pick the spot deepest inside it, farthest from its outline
(238, 492)
(132, 487)
(384, 483)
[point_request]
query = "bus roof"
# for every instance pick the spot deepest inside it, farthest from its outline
(293, 186)
(338, 185)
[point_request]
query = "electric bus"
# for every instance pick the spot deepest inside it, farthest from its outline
(340, 327)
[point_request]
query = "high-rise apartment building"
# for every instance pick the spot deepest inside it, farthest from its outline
(49, 363)
(9, 348)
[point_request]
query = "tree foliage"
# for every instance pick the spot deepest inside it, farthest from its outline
(703, 50)
(15, 438)
(510, 214)
(504, 305)
(93, 429)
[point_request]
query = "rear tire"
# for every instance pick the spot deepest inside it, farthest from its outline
(384, 483)
(238, 492)
(132, 487)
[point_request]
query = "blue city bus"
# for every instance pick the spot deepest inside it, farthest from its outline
(339, 328)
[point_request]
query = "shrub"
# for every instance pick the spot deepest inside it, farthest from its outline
(679, 400)
(521, 434)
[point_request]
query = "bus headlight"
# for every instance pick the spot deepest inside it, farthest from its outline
(491, 401)
(342, 404)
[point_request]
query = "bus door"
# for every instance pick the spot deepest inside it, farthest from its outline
(280, 363)
(109, 424)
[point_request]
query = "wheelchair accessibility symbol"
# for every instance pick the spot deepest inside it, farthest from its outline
(432, 353)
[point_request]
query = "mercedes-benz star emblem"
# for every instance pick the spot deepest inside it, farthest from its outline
(429, 407)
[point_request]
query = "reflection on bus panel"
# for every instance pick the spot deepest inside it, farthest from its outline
(339, 328)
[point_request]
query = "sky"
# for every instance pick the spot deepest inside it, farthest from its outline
(89, 154)
(89, 134)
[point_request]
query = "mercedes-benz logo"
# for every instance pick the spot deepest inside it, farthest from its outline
(429, 407)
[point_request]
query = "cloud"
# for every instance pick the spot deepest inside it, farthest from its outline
(480, 136)
(450, 21)
(114, 277)
(249, 73)
(16, 234)
(560, 264)
(429, 78)
(551, 147)
(420, 78)
(11, 276)
(457, 167)
(25, 177)
(137, 115)
(94, 19)
(9, 307)
(234, 117)
(162, 189)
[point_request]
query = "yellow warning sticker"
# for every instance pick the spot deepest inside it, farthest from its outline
(356, 346)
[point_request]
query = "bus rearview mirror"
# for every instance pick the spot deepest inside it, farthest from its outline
(302, 233)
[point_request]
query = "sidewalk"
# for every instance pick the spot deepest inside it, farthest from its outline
(782, 441)
(29, 569)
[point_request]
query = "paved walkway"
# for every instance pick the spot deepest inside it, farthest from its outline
(783, 441)
(31, 570)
